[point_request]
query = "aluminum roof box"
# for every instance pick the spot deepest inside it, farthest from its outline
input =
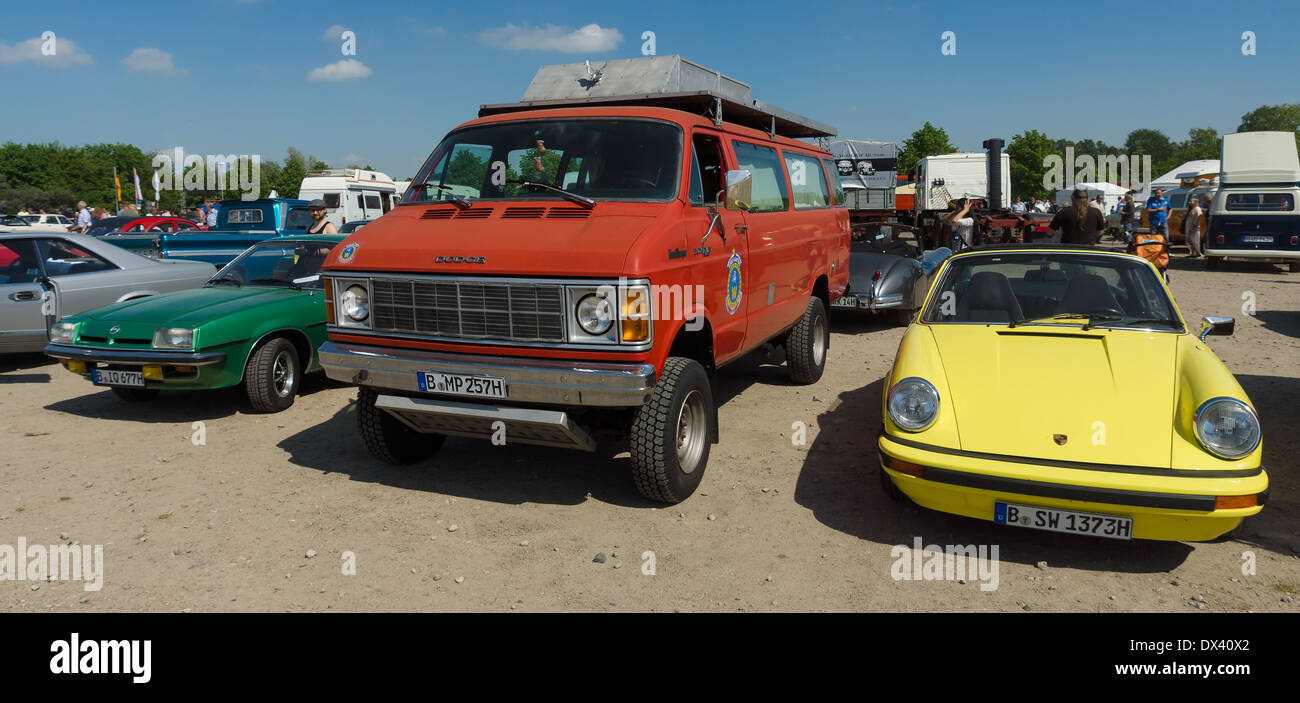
(658, 81)
(1259, 157)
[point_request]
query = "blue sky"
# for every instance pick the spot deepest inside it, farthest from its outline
(237, 79)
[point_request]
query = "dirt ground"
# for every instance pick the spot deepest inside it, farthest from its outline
(262, 516)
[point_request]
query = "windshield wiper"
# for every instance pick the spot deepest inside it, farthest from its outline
(274, 281)
(459, 201)
(572, 197)
(1090, 317)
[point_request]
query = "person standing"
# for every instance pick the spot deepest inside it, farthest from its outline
(1128, 217)
(1158, 213)
(963, 224)
(1077, 223)
(212, 216)
(83, 217)
(1018, 206)
(1192, 228)
(319, 224)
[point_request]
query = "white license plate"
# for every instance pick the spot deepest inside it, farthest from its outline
(1257, 239)
(845, 301)
(113, 377)
(1054, 520)
(461, 384)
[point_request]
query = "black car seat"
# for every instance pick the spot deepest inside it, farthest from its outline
(988, 298)
(1088, 293)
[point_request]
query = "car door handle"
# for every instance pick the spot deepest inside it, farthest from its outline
(742, 229)
(22, 295)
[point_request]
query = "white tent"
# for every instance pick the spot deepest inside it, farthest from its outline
(1172, 179)
(1111, 193)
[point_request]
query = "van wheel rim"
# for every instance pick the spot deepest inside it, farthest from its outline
(282, 374)
(692, 419)
(819, 340)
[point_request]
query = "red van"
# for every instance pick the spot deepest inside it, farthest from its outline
(554, 275)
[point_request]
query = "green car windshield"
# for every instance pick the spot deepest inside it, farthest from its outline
(1052, 288)
(277, 264)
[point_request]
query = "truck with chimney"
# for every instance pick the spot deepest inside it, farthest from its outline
(571, 270)
(943, 179)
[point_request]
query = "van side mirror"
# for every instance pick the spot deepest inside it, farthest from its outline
(1218, 326)
(740, 187)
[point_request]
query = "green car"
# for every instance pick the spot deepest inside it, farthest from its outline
(257, 322)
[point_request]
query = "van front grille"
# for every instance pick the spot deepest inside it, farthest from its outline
(469, 309)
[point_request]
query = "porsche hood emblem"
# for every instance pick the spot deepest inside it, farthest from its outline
(1060, 439)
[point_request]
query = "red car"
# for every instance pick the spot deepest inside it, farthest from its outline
(143, 224)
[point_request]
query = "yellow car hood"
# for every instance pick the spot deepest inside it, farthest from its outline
(1060, 392)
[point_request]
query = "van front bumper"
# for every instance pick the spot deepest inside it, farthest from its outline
(1274, 256)
(1175, 506)
(532, 381)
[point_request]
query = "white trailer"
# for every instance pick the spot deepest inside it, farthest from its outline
(350, 194)
(947, 177)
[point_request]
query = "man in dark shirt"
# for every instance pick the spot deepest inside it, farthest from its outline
(1078, 223)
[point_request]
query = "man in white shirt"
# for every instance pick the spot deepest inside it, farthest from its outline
(212, 216)
(83, 217)
(1018, 206)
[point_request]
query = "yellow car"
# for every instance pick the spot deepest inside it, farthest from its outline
(1058, 387)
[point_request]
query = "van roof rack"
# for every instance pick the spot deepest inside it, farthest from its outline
(659, 81)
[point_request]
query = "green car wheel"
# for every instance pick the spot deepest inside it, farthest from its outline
(273, 374)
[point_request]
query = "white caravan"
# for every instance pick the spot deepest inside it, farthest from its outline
(350, 194)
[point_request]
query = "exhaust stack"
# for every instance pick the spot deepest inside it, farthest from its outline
(994, 147)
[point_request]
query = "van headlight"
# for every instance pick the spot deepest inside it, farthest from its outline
(355, 303)
(173, 338)
(63, 331)
(1227, 428)
(913, 404)
(595, 314)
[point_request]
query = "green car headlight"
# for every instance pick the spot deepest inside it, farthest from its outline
(913, 404)
(173, 338)
(1227, 427)
(63, 331)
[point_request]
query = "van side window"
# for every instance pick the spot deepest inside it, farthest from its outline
(807, 181)
(837, 188)
(1259, 202)
(769, 191)
(331, 200)
(706, 170)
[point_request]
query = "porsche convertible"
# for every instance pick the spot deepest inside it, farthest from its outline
(1059, 388)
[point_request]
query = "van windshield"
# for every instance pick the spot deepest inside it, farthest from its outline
(601, 159)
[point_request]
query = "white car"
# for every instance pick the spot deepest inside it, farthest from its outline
(48, 223)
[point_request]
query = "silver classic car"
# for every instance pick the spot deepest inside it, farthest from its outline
(888, 275)
(47, 276)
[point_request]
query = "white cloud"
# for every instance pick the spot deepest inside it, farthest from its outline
(353, 159)
(345, 70)
(56, 52)
(154, 61)
(333, 32)
(436, 32)
(589, 39)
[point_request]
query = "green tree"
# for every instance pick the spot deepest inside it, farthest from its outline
(1272, 118)
(1026, 154)
(1164, 153)
(291, 174)
(926, 141)
(1201, 143)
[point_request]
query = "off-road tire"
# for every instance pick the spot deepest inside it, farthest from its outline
(801, 344)
(657, 430)
(387, 438)
(273, 376)
(135, 395)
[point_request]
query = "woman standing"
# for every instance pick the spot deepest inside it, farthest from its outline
(1192, 227)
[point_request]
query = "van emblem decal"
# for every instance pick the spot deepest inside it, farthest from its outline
(1060, 439)
(734, 281)
(348, 252)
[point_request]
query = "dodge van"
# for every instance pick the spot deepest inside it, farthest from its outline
(572, 271)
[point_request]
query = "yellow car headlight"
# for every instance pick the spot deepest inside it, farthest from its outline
(913, 404)
(1227, 428)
